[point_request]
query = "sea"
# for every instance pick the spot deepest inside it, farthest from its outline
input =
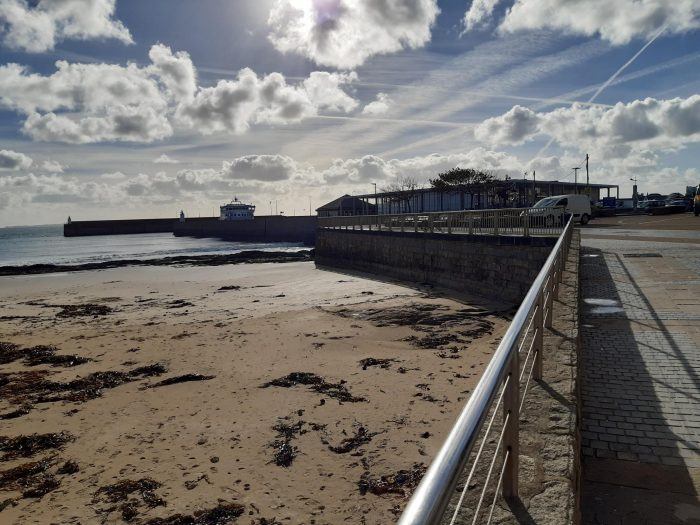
(24, 245)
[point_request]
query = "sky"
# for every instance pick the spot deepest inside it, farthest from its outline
(127, 109)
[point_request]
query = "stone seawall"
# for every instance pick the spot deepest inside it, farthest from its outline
(502, 266)
(260, 229)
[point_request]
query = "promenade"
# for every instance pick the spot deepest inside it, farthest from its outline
(640, 372)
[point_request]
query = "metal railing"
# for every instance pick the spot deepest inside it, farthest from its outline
(515, 362)
(509, 221)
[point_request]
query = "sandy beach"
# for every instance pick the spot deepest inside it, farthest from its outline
(253, 393)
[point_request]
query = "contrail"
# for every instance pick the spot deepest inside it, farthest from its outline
(609, 81)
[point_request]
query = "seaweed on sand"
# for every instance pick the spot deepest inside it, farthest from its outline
(316, 383)
(26, 446)
(349, 444)
(371, 361)
(83, 310)
(185, 378)
(29, 388)
(122, 491)
(46, 354)
(401, 482)
(9, 352)
(222, 514)
(285, 452)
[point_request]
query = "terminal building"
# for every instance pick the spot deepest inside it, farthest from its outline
(511, 193)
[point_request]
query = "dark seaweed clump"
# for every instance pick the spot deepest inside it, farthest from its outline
(285, 451)
(26, 446)
(317, 384)
(228, 288)
(46, 354)
(9, 352)
(220, 515)
(38, 355)
(32, 479)
(185, 378)
(349, 444)
(83, 310)
(371, 361)
(400, 482)
(122, 491)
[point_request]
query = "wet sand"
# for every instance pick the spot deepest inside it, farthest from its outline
(266, 393)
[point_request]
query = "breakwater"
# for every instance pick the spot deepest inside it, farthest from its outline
(118, 227)
(260, 229)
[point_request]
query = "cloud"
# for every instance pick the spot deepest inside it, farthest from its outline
(618, 22)
(235, 105)
(371, 168)
(37, 26)
(175, 70)
(12, 160)
(633, 126)
(268, 168)
(52, 166)
(85, 103)
(345, 33)
(379, 106)
(164, 159)
(479, 12)
(514, 127)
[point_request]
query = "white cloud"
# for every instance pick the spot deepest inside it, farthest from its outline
(324, 89)
(120, 123)
(379, 106)
(617, 21)
(235, 105)
(38, 26)
(479, 11)
(175, 70)
(164, 159)
(85, 103)
(345, 33)
(268, 168)
(634, 126)
(514, 127)
(52, 166)
(13, 160)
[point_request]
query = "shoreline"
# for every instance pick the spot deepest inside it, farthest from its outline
(244, 257)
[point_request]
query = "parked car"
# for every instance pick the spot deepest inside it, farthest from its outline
(577, 205)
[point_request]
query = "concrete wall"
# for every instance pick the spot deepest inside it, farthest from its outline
(505, 266)
(260, 229)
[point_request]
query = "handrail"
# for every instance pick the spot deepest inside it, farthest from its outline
(429, 501)
(505, 221)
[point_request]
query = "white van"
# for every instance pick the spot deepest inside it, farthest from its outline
(577, 205)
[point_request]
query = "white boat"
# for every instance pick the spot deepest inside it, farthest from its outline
(236, 211)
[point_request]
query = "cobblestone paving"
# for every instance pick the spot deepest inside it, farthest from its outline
(640, 382)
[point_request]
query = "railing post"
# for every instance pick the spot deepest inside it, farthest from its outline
(449, 223)
(550, 300)
(415, 223)
(430, 222)
(526, 224)
(511, 436)
(496, 221)
(471, 224)
(538, 337)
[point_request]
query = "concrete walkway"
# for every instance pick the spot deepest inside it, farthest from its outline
(640, 379)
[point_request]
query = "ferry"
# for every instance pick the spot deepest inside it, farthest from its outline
(236, 211)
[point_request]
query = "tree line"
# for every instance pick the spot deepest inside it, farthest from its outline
(473, 182)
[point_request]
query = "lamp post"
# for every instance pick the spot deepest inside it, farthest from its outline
(376, 204)
(635, 197)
